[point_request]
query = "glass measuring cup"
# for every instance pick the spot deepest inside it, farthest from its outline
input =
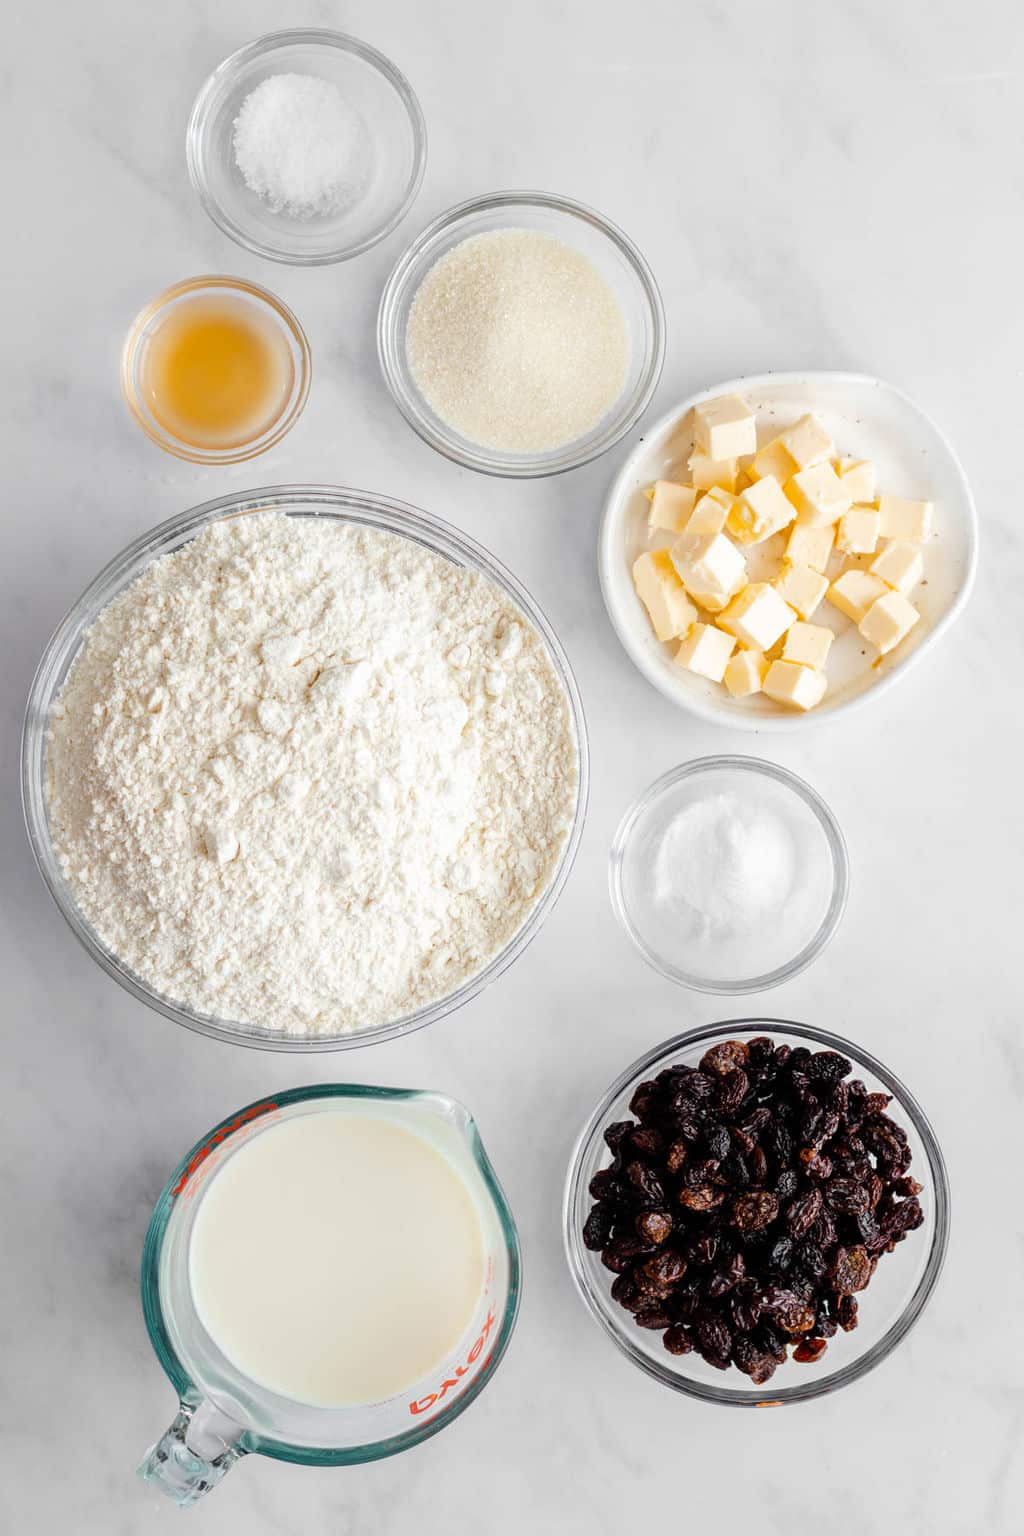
(222, 1414)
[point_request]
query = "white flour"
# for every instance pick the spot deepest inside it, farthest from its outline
(309, 776)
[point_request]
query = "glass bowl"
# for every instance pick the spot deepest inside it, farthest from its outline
(889, 1307)
(269, 310)
(395, 147)
(346, 506)
(812, 908)
(616, 258)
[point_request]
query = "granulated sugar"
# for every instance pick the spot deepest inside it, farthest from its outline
(516, 340)
(300, 146)
(309, 776)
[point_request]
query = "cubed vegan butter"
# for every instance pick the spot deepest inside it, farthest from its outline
(663, 594)
(725, 428)
(904, 519)
(712, 510)
(706, 650)
(854, 591)
(807, 442)
(671, 506)
(744, 673)
(888, 621)
(818, 495)
(810, 546)
(808, 645)
(776, 460)
(860, 478)
(708, 562)
(706, 472)
(900, 565)
(859, 530)
(758, 616)
(789, 683)
(759, 511)
(802, 588)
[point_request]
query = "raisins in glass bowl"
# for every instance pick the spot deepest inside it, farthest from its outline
(749, 1202)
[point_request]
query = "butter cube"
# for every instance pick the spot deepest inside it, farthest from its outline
(706, 472)
(725, 428)
(760, 511)
(818, 495)
(888, 621)
(802, 588)
(757, 616)
(671, 505)
(900, 566)
(808, 645)
(776, 460)
(810, 546)
(706, 650)
(714, 600)
(807, 443)
(708, 562)
(860, 478)
(710, 513)
(854, 591)
(903, 519)
(858, 531)
(663, 594)
(789, 683)
(745, 673)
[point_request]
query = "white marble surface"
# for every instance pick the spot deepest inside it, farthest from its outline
(829, 184)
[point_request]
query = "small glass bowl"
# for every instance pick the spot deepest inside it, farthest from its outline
(326, 503)
(396, 147)
(270, 310)
(889, 1307)
(616, 258)
(813, 908)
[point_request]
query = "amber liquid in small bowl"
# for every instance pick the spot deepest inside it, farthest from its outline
(216, 372)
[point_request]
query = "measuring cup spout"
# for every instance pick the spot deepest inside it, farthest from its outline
(195, 1453)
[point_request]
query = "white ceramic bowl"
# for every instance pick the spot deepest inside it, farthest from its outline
(867, 418)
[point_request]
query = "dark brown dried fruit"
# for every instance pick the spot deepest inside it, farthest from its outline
(748, 1200)
(754, 1212)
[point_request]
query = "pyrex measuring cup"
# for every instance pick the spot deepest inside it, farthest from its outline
(222, 1414)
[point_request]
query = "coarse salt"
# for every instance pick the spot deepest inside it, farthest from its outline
(300, 146)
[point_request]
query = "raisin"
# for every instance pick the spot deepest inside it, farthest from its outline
(621, 1251)
(714, 1339)
(604, 1185)
(703, 1197)
(726, 1276)
(828, 1066)
(695, 1087)
(846, 1313)
(753, 1361)
(732, 1090)
(907, 1217)
(787, 1310)
(644, 1101)
(809, 1349)
(850, 1270)
(616, 1134)
(847, 1196)
(652, 1317)
(653, 1226)
(597, 1227)
(754, 1212)
(780, 1255)
(759, 1050)
(661, 1269)
(677, 1340)
(787, 1183)
(906, 1186)
(724, 1058)
(802, 1211)
(717, 1140)
(646, 1142)
(815, 1164)
(645, 1181)
(676, 1155)
(875, 1103)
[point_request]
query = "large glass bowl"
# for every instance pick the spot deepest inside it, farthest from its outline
(889, 1307)
(615, 257)
(346, 506)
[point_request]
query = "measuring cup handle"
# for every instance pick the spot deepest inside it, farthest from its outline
(184, 1471)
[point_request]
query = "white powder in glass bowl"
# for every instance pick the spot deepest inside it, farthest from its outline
(300, 146)
(309, 776)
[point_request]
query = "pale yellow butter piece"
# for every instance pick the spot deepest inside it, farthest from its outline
(776, 460)
(859, 530)
(757, 616)
(706, 472)
(712, 510)
(745, 673)
(808, 645)
(906, 520)
(900, 565)
(760, 511)
(725, 428)
(861, 480)
(802, 588)
(663, 594)
(714, 600)
(706, 650)
(854, 591)
(818, 495)
(810, 546)
(807, 442)
(888, 621)
(789, 683)
(671, 505)
(708, 562)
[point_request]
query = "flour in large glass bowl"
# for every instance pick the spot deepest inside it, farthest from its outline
(309, 776)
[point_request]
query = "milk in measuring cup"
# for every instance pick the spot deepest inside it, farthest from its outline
(336, 1258)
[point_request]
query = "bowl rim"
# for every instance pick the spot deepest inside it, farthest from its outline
(709, 709)
(260, 47)
(575, 1194)
(826, 819)
(293, 409)
(391, 345)
(346, 505)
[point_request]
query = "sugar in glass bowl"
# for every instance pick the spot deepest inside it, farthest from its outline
(618, 261)
(392, 154)
(889, 1306)
(323, 502)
